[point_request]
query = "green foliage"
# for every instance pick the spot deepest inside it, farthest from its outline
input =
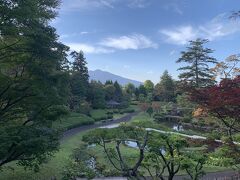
(84, 108)
(100, 114)
(197, 73)
(78, 80)
(141, 98)
(109, 91)
(164, 155)
(142, 90)
(79, 167)
(96, 95)
(149, 86)
(73, 120)
(165, 89)
(119, 136)
(118, 94)
(130, 89)
(33, 81)
(226, 155)
(186, 107)
(150, 111)
(193, 163)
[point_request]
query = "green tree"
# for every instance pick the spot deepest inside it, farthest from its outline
(197, 73)
(110, 91)
(96, 95)
(193, 164)
(164, 155)
(142, 90)
(33, 81)
(150, 111)
(108, 82)
(130, 89)
(119, 136)
(118, 92)
(165, 90)
(149, 86)
(79, 80)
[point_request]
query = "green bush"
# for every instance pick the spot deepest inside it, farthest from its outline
(84, 108)
(72, 121)
(128, 110)
(220, 161)
(187, 119)
(237, 137)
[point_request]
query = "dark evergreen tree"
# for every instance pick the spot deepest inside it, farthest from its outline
(118, 92)
(96, 95)
(79, 80)
(130, 89)
(142, 90)
(109, 92)
(165, 89)
(197, 73)
(108, 82)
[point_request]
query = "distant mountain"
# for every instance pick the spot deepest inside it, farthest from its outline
(103, 76)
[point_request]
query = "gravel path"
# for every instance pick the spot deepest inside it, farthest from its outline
(74, 131)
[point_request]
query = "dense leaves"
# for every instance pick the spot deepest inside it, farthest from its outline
(221, 101)
(33, 83)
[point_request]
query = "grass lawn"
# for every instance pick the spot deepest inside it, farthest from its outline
(99, 114)
(53, 168)
(73, 120)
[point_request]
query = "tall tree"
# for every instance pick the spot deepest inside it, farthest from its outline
(109, 92)
(33, 81)
(197, 73)
(166, 88)
(130, 89)
(96, 95)
(79, 79)
(149, 86)
(142, 90)
(118, 92)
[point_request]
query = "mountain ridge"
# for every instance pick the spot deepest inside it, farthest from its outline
(103, 76)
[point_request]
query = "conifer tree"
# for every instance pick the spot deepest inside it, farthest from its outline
(79, 79)
(197, 73)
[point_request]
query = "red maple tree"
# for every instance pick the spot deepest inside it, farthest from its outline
(221, 101)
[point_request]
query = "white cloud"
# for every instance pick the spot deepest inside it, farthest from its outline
(126, 67)
(172, 53)
(150, 72)
(135, 41)
(138, 3)
(90, 49)
(218, 27)
(85, 4)
(65, 36)
(180, 35)
(84, 32)
(93, 4)
(174, 7)
(110, 45)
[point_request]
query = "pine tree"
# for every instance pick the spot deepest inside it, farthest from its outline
(166, 88)
(197, 73)
(118, 92)
(79, 79)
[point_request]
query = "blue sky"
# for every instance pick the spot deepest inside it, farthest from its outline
(139, 39)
